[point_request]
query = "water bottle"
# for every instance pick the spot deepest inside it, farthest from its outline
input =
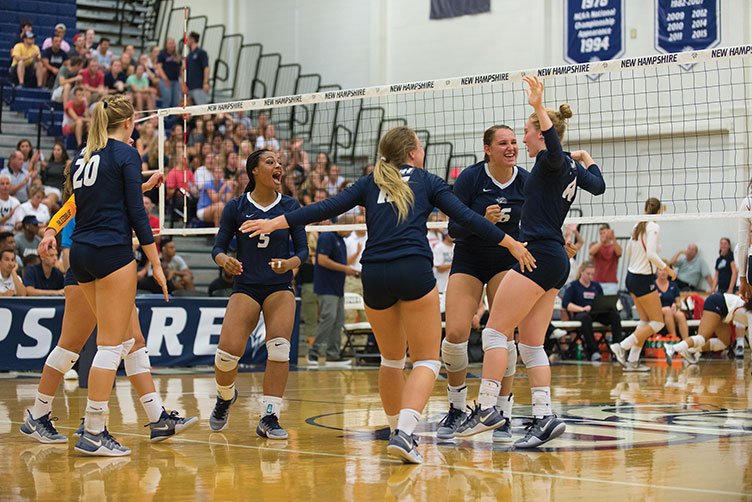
(578, 353)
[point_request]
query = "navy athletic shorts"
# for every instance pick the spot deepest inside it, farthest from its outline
(259, 293)
(70, 278)
(482, 265)
(407, 278)
(89, 262)
(716, 303)
(640, 284)
(552, 264)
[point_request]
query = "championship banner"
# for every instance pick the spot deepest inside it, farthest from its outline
(183, 332)
(443, 9)
(594, 30)
(686, 25)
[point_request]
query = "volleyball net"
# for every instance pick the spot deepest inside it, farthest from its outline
(671, 126)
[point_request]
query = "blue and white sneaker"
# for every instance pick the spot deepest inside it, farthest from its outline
(100, 445)
(169, 425)
(42, 429)
(450, 422)
(221, 413)
(479, 421)
(404, 447)
(540, 431)
(80, 429)
(269, 428)
(504, 433)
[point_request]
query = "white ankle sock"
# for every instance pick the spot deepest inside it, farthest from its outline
(698, 340)
(271, 405)
(634, 354)
(96, 416)
(408, 420)
(488, 393)
(226, 391)
(504, 405)
(152, 406)
(541, 401)
(457, 396)
(629, 342)
(42, 405)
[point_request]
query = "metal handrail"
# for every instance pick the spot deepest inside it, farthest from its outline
(42, 107)
(3, 83)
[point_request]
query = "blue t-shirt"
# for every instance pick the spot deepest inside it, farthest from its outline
(723, 266)
(194, 71)
(327, 281)
(205, 200)
(388, 239)
(256, 253)
(170, 65)
(67, 232)
(477, 189)
(669, 296)
(551, 188)
(34, 277)
(580, 295)
(109, 201)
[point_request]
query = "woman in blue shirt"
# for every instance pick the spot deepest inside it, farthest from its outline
(671, 304)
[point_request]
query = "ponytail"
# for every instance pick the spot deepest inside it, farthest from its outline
(106, 116)
(394, 148)
(652, 206)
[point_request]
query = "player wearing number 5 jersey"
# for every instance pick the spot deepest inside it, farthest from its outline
(106, 179)
(399, 288)
(263, 273)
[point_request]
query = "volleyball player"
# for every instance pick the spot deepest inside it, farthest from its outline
(399, 288)
(549, 192)
(106, 178)
(78, 323)
(644, 246)
(719, 311)
(263, 273)
(493, 188)
(743, 257)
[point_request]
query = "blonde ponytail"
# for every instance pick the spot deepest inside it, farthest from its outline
(395, 148)
(106, 116)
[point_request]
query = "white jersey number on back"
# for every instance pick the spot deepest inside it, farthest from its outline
(89, 172)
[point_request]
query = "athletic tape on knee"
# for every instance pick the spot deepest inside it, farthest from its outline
(432, 365)
(61, 360)
(127, 346)
(493, 339)
(656, 326)
(108, 357)
(512, 359)
(533, 356)
(454, 355)
(278, 349)
(393, 363)
(224, 361)
(137, 362)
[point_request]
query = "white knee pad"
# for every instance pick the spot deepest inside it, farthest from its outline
(61, 360)
(640, 324)
(137, 362)
(454, 355)
(493, 339)
(533, 356)
(512, 359)
(224, 361)
(108, 357)
(127, 346)
(432, 365)
(393, 363)
(656, 326)
(278, 349)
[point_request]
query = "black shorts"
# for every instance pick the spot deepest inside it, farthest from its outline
(70, 278)
(259, 293)
(716, 303)
(552, 264)
(407, 278)
(482, 265)
(640, 284)
(89, 262)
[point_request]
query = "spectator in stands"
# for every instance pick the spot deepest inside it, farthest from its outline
(89, 40)
(23, 27)
(222, 285)
(168, 69)
(34, 208)
(149, 71)
(8, 241)
(59, 32)
(443, 252)
(268, 140)
(690, 269)
(53, 57)
(127, 64)
(76, 116)
(261, 123)
(724, 280)
(103, 54)
(28, 239)
(149, 207)
(92, 81)
(368, 169)
(238, 183)
(204, 173)
(79, 48)
(52, 171)
(51, 197)
(147, 132)
(10, 283)
(26, 67)
(320, 194)
(20, 177)
(231, 165)
(8, 205)
(329, 284)
(177, 270)
(214, 195)
(153, 58)
(144, 96)
(333, 180)
(578, 301)
(605, 254)
(114, 80)
(197, 71)
(44, 278)
(67, 77)
(288, 186)
(239, 134)
(30, 157)
(673, 316)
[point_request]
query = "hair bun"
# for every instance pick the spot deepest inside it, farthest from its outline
(565, 111)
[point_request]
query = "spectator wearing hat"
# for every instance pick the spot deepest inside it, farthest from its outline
(79, 48)
(27, 62)
(53, 57)
(20, 177)
(23, 27)
(28, 239)
(59, 32)
(44, 279)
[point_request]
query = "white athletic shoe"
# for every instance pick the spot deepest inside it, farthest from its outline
(619, 353)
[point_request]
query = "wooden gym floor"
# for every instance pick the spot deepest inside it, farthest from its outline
(670, 434)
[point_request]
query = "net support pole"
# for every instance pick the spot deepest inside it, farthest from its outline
(185, 121)
(161, 140)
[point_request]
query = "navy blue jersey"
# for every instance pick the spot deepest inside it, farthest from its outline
(256, 253)
(387, 239)
(327, 281)
(723, 266)
(109, 201)
(669, 296)
(551, 188)
(477, 189)
(580, 295)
